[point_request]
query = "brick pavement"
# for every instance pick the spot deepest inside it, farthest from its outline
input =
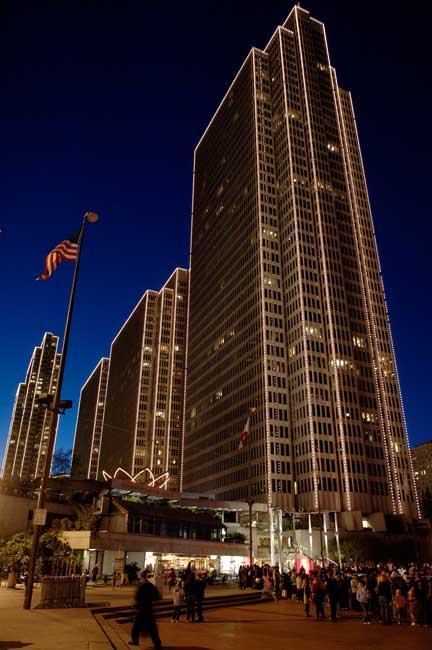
(277, 625)
(255, 627)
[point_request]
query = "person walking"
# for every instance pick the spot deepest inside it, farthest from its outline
(145, 622)
(95, 572)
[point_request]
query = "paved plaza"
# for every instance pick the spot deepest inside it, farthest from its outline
(282, 626)
(271, 625)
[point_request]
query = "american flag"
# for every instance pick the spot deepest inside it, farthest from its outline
(66, 250)
(244, 434)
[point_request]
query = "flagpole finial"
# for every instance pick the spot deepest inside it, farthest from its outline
(91, 217)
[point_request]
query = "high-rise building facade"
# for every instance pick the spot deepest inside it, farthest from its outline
(287, 308)
(30, 423)
(144, 404)
(422, 461)
(88, 430)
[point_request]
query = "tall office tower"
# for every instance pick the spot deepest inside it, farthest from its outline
(143, 419)
(287, 308)
(30, 424)
(422, 461)
(88, 430)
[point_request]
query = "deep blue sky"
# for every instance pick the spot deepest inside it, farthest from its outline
(101, 106)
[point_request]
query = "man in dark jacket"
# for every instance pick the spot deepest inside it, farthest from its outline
(144, 620)
(332, 591)
(385, 598)
(200, 585)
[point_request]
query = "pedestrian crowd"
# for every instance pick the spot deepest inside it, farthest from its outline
(188, 591)
(383, 593)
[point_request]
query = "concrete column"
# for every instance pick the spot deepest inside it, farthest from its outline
(310, 536)
(272, 536)
(280, 520)
(325, 527)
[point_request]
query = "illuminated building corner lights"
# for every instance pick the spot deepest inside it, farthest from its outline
(159, 482)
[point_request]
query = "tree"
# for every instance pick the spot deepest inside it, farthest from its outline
(61, 462)
(15, 554)
(86, 518)
(357, 548)
(52, 545)
(235, 537)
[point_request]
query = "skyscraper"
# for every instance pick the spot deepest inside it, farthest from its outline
(30, 423)
(88, 430)
(287, 308)
(143, 416)
(422, 461)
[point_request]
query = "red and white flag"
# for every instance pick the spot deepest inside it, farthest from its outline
(66, 250)
(244, 434)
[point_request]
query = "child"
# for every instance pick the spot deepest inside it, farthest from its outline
(178, 598)
(267, 589)
(362, 596)
(399, 603)
(412, 602)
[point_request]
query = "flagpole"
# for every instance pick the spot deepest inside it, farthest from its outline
(54, 407)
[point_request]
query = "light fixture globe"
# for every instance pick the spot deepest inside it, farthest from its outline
(92, 217)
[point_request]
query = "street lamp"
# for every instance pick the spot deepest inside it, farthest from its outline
(250, 500)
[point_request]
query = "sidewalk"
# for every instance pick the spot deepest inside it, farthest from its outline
(72, 629)
(46, 629)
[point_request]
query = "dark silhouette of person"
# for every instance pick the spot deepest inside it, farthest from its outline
(145, 622)
(200, 585)
(95, 572)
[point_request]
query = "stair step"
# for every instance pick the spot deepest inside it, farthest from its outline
(163, 608)
(111, 612)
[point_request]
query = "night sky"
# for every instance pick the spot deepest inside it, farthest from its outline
(102, 104)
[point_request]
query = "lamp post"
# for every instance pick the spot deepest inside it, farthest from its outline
(250, 500)
(320, 518)
(57, 406)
